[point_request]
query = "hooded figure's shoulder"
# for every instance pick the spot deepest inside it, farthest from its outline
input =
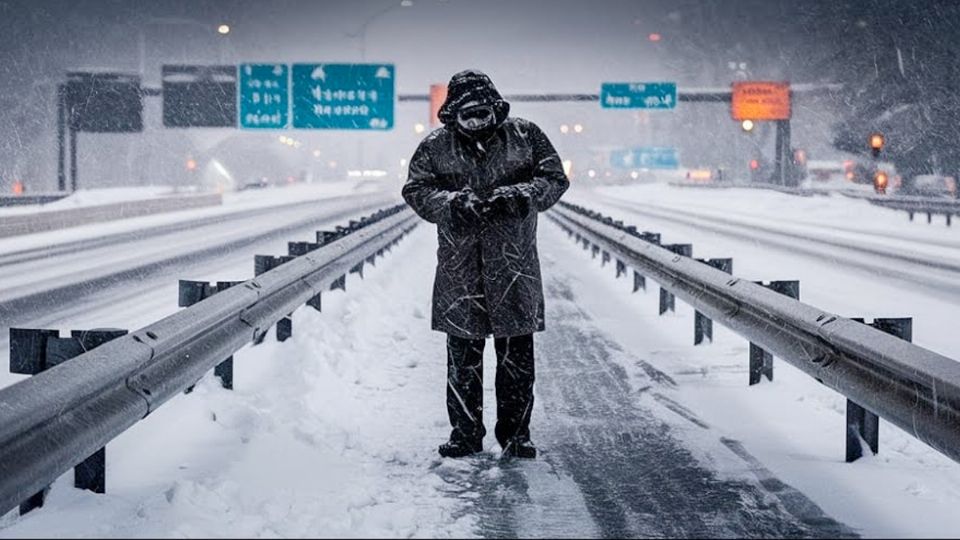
(522, 127)
(437, 137)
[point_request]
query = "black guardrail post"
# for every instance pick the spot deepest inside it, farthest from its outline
(323, 237)
(191, 292)
(667, 300)
(33, 351)
(761, 361)
(261, 265)
(296, 249)
(863, 426)
(702, 325)
(621, 268)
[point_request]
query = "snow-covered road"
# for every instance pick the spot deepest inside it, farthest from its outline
(39, 282)
(334, 432)
(129, 278)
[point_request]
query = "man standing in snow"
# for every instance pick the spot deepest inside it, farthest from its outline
(482, 178)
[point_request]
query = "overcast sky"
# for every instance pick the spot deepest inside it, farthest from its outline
(525, 45)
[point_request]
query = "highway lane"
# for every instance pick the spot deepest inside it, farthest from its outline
(851, 273)
(132, 282)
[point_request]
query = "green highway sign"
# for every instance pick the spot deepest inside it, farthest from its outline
(646, 157)
(264, 96)
(656, 95)
(343, 96)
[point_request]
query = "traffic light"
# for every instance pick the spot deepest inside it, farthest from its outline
(876, 143)
(18, 187)
(880, 181)
(191, 164)
(754, 164)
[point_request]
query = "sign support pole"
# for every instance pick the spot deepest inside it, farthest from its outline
(782, 158)
(61, 135)
(73, 159)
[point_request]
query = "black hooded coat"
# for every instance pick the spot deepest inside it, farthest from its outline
(488, 275)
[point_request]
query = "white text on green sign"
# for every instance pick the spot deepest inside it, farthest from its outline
(343, 96)
(264, 96)
(656, 95)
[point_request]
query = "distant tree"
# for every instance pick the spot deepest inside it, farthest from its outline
(900, 68)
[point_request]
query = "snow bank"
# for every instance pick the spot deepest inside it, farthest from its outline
(332, 433)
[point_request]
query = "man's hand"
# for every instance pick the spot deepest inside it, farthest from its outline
(464, 209)
(507, 200)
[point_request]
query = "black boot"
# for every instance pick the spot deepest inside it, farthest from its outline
(457, 449)
(520, 447)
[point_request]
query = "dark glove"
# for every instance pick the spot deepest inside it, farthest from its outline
(464, 213)
(507, 200)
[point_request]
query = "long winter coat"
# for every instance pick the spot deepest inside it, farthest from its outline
(488, 276)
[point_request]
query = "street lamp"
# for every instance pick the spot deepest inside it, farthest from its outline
(747, 125)
(876, 143)
(222, 29)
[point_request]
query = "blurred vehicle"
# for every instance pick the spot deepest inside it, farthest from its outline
(931, 185)
(825, 171)
(258, 183)
(859, 172)
(699, 175)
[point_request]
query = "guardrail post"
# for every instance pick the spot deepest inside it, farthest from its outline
(863, 426)
(192, 292)
(358, 269)
(33, 351)
(263, 264)
(594, 250)
(667, 300)
(761, 361)
(639, 282)
(702, 325)
(949, 218)
(296, 249)
(604, 258)
(621, 268)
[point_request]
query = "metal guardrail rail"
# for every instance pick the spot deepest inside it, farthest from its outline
(27, 199)
(56, 419)
(930, 206)
(911, 387)
(912, 204)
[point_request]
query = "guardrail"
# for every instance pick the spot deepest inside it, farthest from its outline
(930, 206)
(912, 204)
(31, 198)
(65, 415)
(60, 219)
(881, 375)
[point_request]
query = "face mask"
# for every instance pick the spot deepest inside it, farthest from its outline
(475, 119)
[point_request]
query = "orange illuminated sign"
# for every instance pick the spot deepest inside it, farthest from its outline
(438, 94)
(760, 100)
